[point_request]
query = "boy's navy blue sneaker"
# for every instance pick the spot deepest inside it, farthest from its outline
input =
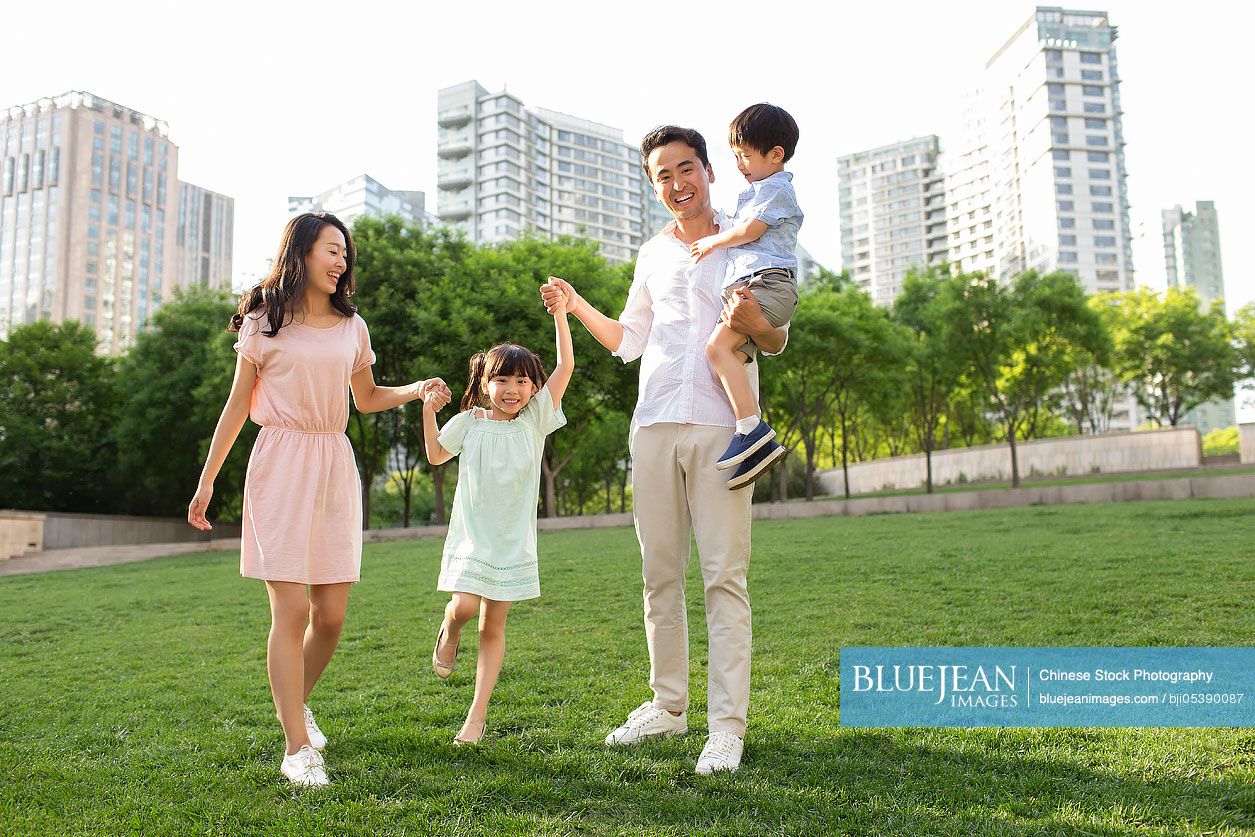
(757, 465)
(744, 445)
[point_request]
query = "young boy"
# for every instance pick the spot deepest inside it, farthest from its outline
(763, 239)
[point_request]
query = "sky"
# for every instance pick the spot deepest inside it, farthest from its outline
(271, 100)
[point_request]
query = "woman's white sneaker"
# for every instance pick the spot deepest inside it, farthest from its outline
(647, 722)
(722, 752)
(316, 738)
(305, 767)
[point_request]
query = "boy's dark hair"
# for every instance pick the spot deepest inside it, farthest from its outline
(664, 134)
(762, 127)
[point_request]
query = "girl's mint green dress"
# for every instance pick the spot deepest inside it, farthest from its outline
(490, 550)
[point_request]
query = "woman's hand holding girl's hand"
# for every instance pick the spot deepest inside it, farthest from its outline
(437, 399)
(197, 508)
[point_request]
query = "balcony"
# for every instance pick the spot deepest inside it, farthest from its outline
(459, 211)
(453, 117)
(454, 178)
(454, 147)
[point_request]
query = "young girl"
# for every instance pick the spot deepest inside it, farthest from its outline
(490, 552)
(301, 348)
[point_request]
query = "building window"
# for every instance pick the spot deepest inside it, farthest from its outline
(1067, 223)
(115, 174)
(1063, 188)
(1067, 257)
(1105, 258)
(112, 217)
(1104, 241)
(1067, 241)
(1091, 90)
(1064, 206)
(1100, 191)
(1095, 141)
(1091, 75)
(1095, 107)
(1063, 171)
(1053, 55)
(1096, 156)
(1100, 174)
(1060, 154)
(1058, 105)
(1091, 57)
(1092, 124)
(1054, 89)
(1101, 207)
(1059, 139)
(1104, 224)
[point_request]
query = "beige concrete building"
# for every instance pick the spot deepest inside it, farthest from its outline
(92, 218)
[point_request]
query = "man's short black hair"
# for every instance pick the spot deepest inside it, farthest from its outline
(664, 134)
(762, 127)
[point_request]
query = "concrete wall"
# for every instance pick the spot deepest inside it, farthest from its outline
(1147, 450)
(1246, 440)
(20, 533)
(66, 531)
(1227, 487)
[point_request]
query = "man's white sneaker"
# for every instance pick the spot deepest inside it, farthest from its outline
(647, 722)
(305, 767)
(722, 752)
(316, 738)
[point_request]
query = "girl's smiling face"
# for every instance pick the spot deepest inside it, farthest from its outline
(508, 394)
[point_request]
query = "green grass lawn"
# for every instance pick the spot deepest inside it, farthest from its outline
(133, 699)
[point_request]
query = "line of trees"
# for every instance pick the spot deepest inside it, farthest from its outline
(963, 359)
(958, 360)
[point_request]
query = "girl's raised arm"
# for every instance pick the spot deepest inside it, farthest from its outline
(432, 402)
(230, 423)
(561, 375)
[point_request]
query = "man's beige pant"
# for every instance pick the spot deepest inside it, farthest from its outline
(675, 489)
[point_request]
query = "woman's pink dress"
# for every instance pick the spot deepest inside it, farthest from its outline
(302, 496)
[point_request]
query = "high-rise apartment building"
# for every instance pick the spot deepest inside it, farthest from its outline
(1046, 148)
(363, 195)
(203, 237)
(1038, 181)
(1191, 250)
(893, 214)
(92, 218)
(505, 169)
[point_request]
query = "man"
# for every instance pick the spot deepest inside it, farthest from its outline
(681, 425)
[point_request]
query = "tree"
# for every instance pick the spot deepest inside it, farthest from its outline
(1173, 354)
(58, 401)
(1022, 340)
(404, 274)
(934, 357)
(175, 381)
(843, 351)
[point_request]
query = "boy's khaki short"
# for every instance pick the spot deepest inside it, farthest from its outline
(775, 289)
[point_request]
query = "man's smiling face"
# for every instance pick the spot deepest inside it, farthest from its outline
(680, 180)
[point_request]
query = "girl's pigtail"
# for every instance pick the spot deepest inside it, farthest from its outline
(473, 397)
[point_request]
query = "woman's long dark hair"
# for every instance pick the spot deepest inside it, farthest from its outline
(502, 359)
(283, 288)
